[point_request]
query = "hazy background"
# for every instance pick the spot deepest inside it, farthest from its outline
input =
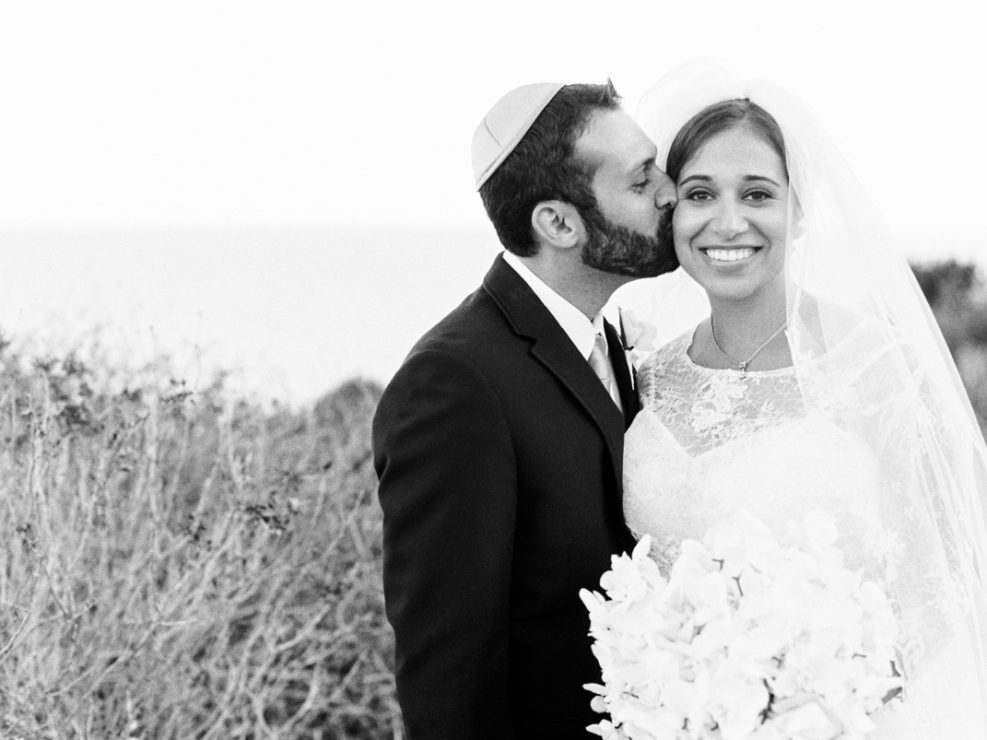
(284, 188)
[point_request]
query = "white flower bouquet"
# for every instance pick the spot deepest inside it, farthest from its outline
(746, 638)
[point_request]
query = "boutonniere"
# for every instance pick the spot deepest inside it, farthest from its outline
(640, 338)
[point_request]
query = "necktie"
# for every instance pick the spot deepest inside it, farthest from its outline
(600, 362)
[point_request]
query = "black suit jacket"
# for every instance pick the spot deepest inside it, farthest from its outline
(499, 456)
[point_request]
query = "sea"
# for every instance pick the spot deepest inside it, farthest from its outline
(286, 315)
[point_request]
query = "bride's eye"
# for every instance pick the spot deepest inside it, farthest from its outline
(698, 195)
(758, 196)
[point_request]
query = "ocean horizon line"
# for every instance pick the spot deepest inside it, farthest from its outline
(288, 314)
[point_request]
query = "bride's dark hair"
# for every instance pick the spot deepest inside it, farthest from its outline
(717, 118)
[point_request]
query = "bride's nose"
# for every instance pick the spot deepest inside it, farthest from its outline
(729, 220)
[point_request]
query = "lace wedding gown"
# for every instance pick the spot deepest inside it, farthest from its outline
(709, 443)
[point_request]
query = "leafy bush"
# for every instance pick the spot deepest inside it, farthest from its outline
(957, 293)
(180, 565)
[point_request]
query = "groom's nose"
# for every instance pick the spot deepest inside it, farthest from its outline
(665, 195)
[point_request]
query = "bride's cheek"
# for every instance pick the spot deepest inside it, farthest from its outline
(679, 221)
(684, 229)
(689, 260)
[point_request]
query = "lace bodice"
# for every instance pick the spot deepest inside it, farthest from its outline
(709, 408)
(708, 443)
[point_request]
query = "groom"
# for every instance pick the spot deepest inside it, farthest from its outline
(499, 441)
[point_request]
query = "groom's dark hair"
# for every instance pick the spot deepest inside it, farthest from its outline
(544, 166)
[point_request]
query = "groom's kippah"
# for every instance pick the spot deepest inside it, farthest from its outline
(505, 124)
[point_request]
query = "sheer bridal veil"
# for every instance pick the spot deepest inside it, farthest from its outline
(868, 354)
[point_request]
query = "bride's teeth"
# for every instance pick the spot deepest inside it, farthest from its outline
(729, 255)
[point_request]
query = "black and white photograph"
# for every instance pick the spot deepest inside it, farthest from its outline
(493, 370)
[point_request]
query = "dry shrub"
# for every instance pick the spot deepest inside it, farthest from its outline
(180, 565)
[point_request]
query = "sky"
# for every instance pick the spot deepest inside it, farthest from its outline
(122, 120)
(359, 114)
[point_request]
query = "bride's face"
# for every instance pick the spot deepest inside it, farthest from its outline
(730, 225)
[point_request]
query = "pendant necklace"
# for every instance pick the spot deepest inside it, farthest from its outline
(742, 366)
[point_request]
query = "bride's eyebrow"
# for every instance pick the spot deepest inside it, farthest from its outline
(701, 178)
(753, 178)
(746, 178)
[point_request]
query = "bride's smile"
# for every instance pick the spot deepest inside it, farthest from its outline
(728, 254)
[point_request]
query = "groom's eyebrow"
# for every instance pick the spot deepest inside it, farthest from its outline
(643, 166)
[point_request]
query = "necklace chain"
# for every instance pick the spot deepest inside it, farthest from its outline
(742, 366)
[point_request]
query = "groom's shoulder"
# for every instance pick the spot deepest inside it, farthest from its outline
(478, 341)
(468, 328)
(464, 356)
(475, 322)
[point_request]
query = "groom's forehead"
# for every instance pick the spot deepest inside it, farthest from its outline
(613, 141)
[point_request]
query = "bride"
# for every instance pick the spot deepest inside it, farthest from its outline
(812, 377)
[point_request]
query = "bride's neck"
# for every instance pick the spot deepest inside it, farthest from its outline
(740, 329)
(743, 325)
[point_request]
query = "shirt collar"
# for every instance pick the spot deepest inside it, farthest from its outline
(574, 323)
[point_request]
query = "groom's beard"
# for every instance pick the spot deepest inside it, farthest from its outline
(617, 249)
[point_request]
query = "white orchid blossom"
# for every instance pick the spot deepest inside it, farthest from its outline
(748, 638)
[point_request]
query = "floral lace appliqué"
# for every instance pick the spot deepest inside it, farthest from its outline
(705, 408)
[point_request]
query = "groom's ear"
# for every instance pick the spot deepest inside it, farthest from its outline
(557, 224)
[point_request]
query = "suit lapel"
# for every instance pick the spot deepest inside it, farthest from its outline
(622, 374)
(553, 349)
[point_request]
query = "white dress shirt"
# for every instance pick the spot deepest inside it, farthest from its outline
(574, 323)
